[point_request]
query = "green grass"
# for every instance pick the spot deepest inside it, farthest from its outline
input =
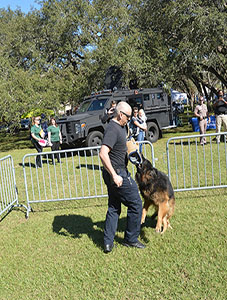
(57, 253)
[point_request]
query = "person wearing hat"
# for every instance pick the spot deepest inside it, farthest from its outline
(201, 112)
(37, 135)
(122, 189)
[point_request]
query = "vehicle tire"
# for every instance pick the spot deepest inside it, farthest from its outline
(152, 133)
(94, 138)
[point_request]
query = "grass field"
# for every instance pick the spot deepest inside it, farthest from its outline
(58, 252)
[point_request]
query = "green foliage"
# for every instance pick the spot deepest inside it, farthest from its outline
(193, 34)
(60, 53)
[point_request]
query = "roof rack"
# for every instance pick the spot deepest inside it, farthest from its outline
(101, 92)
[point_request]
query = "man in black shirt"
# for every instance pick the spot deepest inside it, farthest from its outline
(220, 108)
(121, 187)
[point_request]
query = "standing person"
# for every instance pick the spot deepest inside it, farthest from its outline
(120, 185)
(138, 127)
(36, 135)
(143, 127)
(109, 113)
(54, 138)
(44, 125)
(201, 113)
(220, 109)
(134, 129)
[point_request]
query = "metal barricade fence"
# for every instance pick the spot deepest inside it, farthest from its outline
(192, 166)
(8, 189)
(77, 176)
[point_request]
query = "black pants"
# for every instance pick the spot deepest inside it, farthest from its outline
(38, 157)
(55, 147)
(127, 194)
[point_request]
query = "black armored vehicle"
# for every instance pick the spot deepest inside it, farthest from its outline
(85, 127)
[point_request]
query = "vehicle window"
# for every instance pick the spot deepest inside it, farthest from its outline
(160, 96)
(97, 104)
(146, 97)
(135, 101)
(83, 107)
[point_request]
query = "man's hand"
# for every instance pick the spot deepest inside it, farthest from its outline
(118, 180)
(111, 110)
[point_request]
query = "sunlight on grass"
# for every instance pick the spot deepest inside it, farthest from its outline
(58, 252)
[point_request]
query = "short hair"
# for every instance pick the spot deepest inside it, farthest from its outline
(121, 106)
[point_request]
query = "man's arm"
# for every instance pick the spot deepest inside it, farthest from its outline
(196, 112)
(140, 125)
(104, 155)
(216, 102)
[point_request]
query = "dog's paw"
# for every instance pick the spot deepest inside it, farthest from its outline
(158, 230)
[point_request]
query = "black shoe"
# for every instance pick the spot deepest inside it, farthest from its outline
(108, 248)
(136, 245)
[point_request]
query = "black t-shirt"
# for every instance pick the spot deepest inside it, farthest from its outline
(115, 138)
(221, 108)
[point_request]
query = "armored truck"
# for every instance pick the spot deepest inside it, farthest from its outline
(85, 127)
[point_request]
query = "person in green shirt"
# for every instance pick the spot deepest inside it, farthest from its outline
(54, 138)
(36, 136)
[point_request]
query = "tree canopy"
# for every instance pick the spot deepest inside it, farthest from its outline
(60, 53)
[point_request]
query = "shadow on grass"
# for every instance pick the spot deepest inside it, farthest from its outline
(76, 225)
(20, 140)
(30, 165)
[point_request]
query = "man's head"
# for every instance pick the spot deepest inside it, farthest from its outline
(135, 111)
(220, 93)
(113, 104)
(124, 111)
(201, 99)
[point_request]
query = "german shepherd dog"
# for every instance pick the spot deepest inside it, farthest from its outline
(156, 189)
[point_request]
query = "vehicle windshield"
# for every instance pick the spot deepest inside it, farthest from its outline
(92, 105)
(83, 107)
